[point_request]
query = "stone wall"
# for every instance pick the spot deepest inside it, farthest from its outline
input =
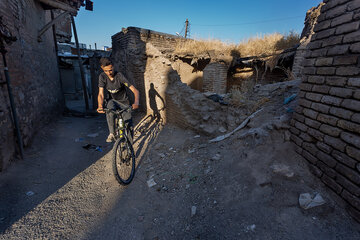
(33, 72)
(326, 125)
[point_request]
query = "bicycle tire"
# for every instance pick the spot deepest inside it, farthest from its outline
(123, 161)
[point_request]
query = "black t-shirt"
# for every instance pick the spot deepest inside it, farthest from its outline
(117, 87)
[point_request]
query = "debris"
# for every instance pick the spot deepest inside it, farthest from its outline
(265, 184)
(162, 155)
(216, 157)
(307, 201)
(202, 145)
(187, 186)
(222, 130)
(93, 135)
(196, 136)
(287, 136)
(30, 193)
(289, 99)
(290, 110)
(151, 183)
(193, 211)
(79, 139)
(92, 147)
(251, 227)
(282, 169)
(242, 125)
(159, 145)
(191, 150)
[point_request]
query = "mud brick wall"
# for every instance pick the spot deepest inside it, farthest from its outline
(33, 72)
(326, 125)
(215, 78)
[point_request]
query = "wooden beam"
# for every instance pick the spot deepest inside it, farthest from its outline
(59, 5)
(51, 23)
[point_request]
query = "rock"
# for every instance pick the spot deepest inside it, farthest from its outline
(216, 157)
(159, 146)
(282, 169)
(287, 135)
(193, 211)
(222, 130)
(196, 136)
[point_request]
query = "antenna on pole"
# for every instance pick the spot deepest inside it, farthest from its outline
(186, 27)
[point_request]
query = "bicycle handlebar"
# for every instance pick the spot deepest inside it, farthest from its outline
(117, 111)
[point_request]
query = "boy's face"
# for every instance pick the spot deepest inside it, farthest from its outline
(108, 70)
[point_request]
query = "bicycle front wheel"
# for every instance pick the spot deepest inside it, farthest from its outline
(123, 161)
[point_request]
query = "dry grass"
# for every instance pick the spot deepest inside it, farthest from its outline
(262, 45)
(239, 98)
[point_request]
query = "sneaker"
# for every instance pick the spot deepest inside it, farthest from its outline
(110, 138)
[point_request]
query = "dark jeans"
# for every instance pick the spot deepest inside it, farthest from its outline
(110, 117)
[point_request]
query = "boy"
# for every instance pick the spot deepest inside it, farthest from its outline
(115, 84)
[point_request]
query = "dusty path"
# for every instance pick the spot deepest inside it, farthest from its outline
(231, 186)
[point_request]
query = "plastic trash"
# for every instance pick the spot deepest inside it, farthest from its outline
(289, 99)
(193, 211)
(93, 147)
(151, 183)
(93, 135)
(307, 201)
(30, 193)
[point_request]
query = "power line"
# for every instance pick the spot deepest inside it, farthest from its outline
(248, 23)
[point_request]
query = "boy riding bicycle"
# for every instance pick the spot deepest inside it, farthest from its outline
(115, 84)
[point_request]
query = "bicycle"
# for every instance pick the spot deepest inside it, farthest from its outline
(123, 155)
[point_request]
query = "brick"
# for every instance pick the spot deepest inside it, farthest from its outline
(355, 48)
(332, 100)
(331, 183)
(310, 113)
(321, 89)
(353, 152)
(314, 45)
(342, 19)
(344, 159)
(294, 130)
(335, 40)
(314, 96)
(353, 139)
(299, 109)
(311, 148)
(301, 94)
(335, 143)
(322, 25)
(324, 34)
(326, 169)
(305, 103)
(298, 117)
(350, 188)
(356, 117)
(336, 81)
(349, 173)
(318, 53)
(320, 107)
(309, 70)
(306, 86)
(340, 112)
(302, 127)
(324, 147)
(346, 60)
(298, 141)
(338, 50)
(327, 61)
(354, 82)
(326, 70)
(312, 123)
(337, 11)
(331, 4)
(358, 167)
(309, 62)
(352, 37)
(315, 170)
(316, 134)
(347, 71)
(346, 28)
(298, 149)
(306, 137)
(350, 126)
(329, 130)
(353, 5)
(316, 79)
(308, 156)
(351, 104)
(327, 119)
(354, 213)
(357, 94)
(341, 92)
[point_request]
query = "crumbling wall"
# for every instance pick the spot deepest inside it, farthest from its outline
(326, 125)
(34, 75)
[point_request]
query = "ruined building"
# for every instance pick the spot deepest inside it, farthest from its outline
(33, 69)
(326, 125)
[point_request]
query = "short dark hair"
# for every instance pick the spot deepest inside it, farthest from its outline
(105, 61)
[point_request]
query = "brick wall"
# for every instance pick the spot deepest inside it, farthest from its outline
(215, 78)
(33, 72)
(326, 124)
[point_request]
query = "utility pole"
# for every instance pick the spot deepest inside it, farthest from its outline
(186, 27)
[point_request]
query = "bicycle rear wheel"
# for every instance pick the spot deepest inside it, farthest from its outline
(123, 161)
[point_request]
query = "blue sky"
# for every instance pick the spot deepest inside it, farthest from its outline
(231, 21)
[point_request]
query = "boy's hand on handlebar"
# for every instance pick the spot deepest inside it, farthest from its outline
(135, 106)
(100, 110)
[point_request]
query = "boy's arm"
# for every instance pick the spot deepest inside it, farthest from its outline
(136, 94)
(100, 100)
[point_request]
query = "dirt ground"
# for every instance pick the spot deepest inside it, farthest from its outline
(245, 187)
